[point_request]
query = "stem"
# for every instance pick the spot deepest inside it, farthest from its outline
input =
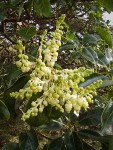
(44, 136)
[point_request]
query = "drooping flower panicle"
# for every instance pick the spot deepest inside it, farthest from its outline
(59, 88)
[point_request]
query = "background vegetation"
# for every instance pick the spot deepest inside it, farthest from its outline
(87, 42)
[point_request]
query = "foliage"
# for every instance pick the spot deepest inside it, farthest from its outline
(65, 54)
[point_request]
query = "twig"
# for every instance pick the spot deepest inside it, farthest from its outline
(13, 42)
(44, 136)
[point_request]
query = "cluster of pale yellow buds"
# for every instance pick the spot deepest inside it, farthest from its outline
(24, 64)
(58, 88)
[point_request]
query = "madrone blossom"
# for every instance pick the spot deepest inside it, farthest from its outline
(59, 88)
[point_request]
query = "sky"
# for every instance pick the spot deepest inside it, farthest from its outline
(107, 16)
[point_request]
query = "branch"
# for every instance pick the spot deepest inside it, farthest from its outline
(44, 136)
(13, 42)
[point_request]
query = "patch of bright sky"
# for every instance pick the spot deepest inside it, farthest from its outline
(107, 16)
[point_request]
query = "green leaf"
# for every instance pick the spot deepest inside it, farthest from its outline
(106, 83)
(42, 7)
(66, 47)
(70, 35)
(57, 144)
(13, 2)
(4, 112)
(38, 120)
(75, 55)
(2, 15)
(52, 112)
(72, 116)
(94, 57)
(28, 140)
(11, 146)
(109, 55)
(70, 141)
(57, 66)
(107, 119)
(107, 111)
(90, 39)
(91, 117)
(9, 101)
(20, 9)
(110, 72)
(92, 78)
(94, 135)
(102, 59)
(90, 55)
(86, 146)
(111, 143)
(12, 74)
(73, 141)
(52, 126)
(46, 116)
(105, 35)
(89, 134)
(110, 94)
(27, 32)
(32, 51)
(71, 42)
(106, 141)
(108, 4)
(29, 5)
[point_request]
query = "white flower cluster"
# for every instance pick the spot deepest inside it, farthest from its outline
(59, 88)
(24, 64)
